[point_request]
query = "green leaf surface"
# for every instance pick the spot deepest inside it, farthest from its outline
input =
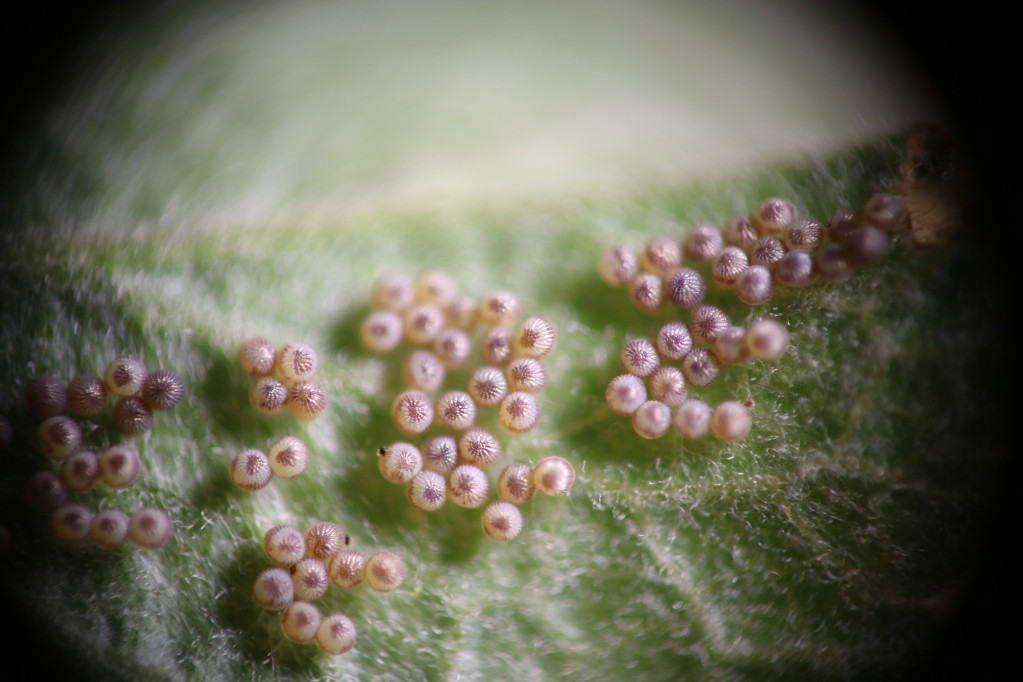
(831, 543)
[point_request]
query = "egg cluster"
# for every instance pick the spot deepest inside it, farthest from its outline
(253, 469)
(139, 394)
(752, 255)
(284, 378)
(449, 463)
(667, 402)
(284, 381)
(306, 564)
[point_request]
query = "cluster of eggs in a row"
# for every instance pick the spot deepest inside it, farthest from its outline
(140, 393)
(284, 378)
(667, 402)
(430, 310)
(306, 564)
(752, 255)
(437, 478)
(252, 469)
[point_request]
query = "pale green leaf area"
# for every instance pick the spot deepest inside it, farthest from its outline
(189, 196)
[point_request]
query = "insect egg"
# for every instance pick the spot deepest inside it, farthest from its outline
(502, 521)
(515, 483)
(487, 386)
(652, 419)
(124, 376)
(497, 346)
(381, 331)
(427, 491)
(639, 357)
(385, 571)
(297, 362)
(307, 400)
(300, 621)
(412, 412)
(284, 545)
(309, 579)
(423, 323)
(440, 454)
(728, 265)
(452, 347)
(526, 374)
(60, 436)
(767, 251)
(703, 243)
(460, 313)
(250, 470)
(707, 323)
(692, 419)
(660, 256)
(392, 293)
(831, 264)
(423, 371)
(268, 395)
(886, 211)
(399, 462)
(80, 471)
(162, 389)
(701, 367)
(536, 337)
(685, 288)
(346, 568)
(841, 225)
(46, 491)
(468, 486)
(132, 417)
(519, 412)
(755, 285)
(71, 522)
(336, 634)
(86, 395)
(618, 265)
(673, 341)
(324, 539)
(274, 589)
(668, 385)
(498, 309)
(553, 475)
(646, 291)
(804, 233)
(739, 231)
(257, 356)
(288, 457)
(625, 393)
(767, 339)
(455, 410)
(731, 346)
(774, 215)
(149, 529)
(435, 287)
(46, 396)
(479, 447)
(865, 244)
(731, 420)
(109, 528)
(795, 269)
